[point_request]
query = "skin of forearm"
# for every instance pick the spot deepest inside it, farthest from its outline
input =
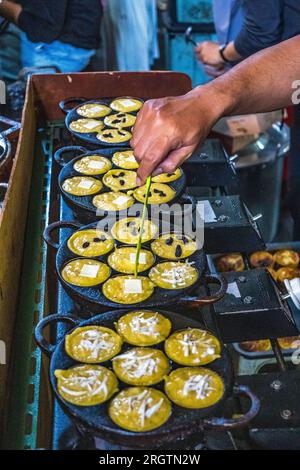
(259, 84)
(231, 53)
(11, 11)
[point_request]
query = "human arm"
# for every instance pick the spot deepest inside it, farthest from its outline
(208, 52)
(168, 130)
(262, 26)
(10, 11)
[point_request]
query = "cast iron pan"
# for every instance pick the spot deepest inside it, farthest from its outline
(182, 423)
(93, 296)
(83, 206)
(72, 115)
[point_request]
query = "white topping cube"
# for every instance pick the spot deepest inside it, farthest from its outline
(89, 271)
(133, 286)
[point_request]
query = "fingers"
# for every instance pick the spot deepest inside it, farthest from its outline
(139, 127)
(199, 52)
(150, 155)
(174, 160)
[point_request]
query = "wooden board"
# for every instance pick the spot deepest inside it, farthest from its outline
(12, 228)
(49, 90)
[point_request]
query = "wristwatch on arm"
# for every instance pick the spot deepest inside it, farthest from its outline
(222, 53)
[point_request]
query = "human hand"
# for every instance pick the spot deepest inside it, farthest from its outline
(208, 52)
(168, 130)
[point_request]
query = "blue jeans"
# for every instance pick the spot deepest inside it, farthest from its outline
(66, 57)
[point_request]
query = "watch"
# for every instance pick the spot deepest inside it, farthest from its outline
(221, 51)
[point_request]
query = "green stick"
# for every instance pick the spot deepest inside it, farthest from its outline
(139, 243)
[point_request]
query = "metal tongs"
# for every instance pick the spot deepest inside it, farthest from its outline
(139, 243)
(188, 36)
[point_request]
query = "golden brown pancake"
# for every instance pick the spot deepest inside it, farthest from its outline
(167, 177)
(120, 180)
(141, 366)
(192, 347)
(231, 262)
(127, 230)
(86, 126)
(113, 201)
(128, 289)
(123, 260)
(82, 186)
(194, 387)
(93, 165)
(125, 160)
(286, 258)
(140, 409)
(93, 344)
(144, 328)
(174, 246)
(86, 385)
(173, 275)
(159, 194)
(114, 136)
(126, 105)
(93, 110)
(85, 272)
(90, 243)
(120, 120)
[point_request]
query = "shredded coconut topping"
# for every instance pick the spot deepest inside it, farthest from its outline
(200, 384)
(138, 366)
(145, 326)
(177, 275)
(144, 404)
(91, 384)
(192, 346)
(94, 341)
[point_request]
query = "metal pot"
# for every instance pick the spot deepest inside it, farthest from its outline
(260, 169)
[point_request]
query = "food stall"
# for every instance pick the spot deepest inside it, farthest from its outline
(62, 278)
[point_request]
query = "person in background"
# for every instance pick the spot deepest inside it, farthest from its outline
(229, 20)
(168, 130)
(129, 35)
(10, 63)
(266, 23)
(60, 33)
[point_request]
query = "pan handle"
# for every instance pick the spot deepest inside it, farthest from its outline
(64, 104)
(13, 127)
(57, 226)
(45, 346)
(202, 301)
(76, 152)
(242, 421)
